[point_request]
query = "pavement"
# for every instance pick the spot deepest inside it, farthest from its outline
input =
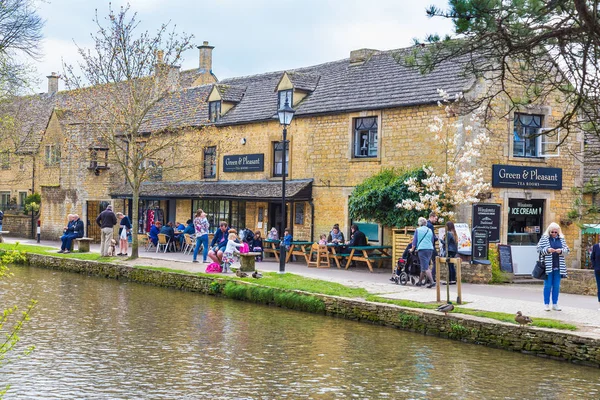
(579, 310)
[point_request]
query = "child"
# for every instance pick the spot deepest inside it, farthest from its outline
(323, 240)
(273, 235)
(228, 257)
(256, 245)
(287, 241)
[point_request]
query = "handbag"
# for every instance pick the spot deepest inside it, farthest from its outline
(539, 271)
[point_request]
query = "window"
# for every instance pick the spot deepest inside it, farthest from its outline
(214, 111)
(210, 162)
(52, 154)
(526, 135)
(4, 200)
(283, 96)
(299, 213)
(22, 197)
(21, 164)
(98, 158)
(5, 159)
(365, 137)
(232, 212)
(278, 158)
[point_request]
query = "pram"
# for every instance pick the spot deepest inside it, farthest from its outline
(408, 268)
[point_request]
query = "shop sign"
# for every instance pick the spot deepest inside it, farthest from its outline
(244, 163)
(480, 244)
(487, 217)
(512, 176)
(526, 208)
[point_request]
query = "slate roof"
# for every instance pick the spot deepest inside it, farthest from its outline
(300, 189)
(231, 93)
(302, 81)
(380, 82)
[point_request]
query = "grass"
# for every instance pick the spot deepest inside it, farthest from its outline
(51, 251)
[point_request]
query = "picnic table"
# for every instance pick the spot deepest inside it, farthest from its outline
(369, 254)
(337, 252)
(299, 248)
(271, 246)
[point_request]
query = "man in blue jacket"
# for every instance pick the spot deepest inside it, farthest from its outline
(73, 230)
(219, 242)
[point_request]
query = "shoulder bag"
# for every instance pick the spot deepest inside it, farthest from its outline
(539, 271)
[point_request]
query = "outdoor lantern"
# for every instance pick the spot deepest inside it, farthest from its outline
(285, 113)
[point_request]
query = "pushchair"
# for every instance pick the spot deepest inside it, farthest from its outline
(408, 268)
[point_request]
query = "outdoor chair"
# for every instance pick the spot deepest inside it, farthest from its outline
(189, 244)
(146, 241)
(164, 242)
(321, 255)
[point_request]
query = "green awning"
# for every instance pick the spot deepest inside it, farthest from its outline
(590, 228)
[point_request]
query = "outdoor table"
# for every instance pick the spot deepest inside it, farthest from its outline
(271, 246)
(369, 254)
(335, 248)
(299, 248)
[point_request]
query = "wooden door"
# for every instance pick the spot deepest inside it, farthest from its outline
(93, 209)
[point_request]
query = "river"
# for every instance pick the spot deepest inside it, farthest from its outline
(98, 338)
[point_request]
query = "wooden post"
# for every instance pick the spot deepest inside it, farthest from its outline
(458, 263)
(437, 277)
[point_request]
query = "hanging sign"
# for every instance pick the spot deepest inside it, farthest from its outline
(513, 176)
(487, 216)
(244, 163)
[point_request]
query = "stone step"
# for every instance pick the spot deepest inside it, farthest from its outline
(527, 280)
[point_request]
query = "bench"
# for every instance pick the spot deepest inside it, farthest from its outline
(83, 244)
(247, 260)
(3, 233)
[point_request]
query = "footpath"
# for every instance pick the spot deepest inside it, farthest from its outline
(576, 309)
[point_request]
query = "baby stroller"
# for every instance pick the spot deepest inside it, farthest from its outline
(407, 268)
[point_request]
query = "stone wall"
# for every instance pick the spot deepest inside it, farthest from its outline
(579, 281)
(19, 225)
(541, 342)
(476, 273)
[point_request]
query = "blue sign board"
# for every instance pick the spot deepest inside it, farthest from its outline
(526, 177)
(244, 163)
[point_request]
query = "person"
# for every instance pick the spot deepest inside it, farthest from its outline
(287, 239)
(257, 244)
(124, 231)
(553, 248)
(273, 235)
(179, 227)
(201, 227)
(323, 240)
(228, 258)
(1, 219)
(219, 243)
(451, 239)
(168, 231)
(106, 220)
(595, 259)
(423, 242)
(189, 230)
(433, 218)
(68, 235)
(335, 236)
(154, 231)
(357, 238)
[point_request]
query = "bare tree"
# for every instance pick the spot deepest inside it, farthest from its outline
(130, 105)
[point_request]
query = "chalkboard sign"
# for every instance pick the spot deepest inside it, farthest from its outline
(487, 216)
(505, 252)
(480, 244)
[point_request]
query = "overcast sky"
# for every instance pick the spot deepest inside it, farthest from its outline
(250, 36)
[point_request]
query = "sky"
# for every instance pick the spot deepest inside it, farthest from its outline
(250, 36)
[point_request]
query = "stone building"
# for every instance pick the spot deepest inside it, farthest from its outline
(354, 117)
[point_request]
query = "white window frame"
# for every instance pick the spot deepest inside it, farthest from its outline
(544, 144)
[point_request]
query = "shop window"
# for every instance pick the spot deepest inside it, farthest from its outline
(527, 137)
(283, 96)
(214, 111)
(210, 162)
(232, 212)
(52, 154)
(525, 222)
(365, 137)
(5, 160)
(278, 158)
(299, 213)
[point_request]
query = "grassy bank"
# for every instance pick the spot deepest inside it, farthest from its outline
(51, 251)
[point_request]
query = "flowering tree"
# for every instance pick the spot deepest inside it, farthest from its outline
(461, 182)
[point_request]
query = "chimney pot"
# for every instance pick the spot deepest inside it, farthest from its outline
(53, 82)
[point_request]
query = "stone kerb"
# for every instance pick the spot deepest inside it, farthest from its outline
(550, 343)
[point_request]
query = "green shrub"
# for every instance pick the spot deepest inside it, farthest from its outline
(498, 276)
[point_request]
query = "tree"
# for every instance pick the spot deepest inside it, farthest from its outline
(125, 98)
(375, 198)
(547, 48)
(461, 181)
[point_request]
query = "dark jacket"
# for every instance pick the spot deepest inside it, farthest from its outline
(106, 219)
(154, 231)
(78, 228)
(1, 216)
(358, 239)
(167, 230)
(595, 257)
(125, 223)
(189, 229)
(219, 234)
(452, 245)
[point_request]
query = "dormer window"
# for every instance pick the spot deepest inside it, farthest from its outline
(214, 111)
(283, 96)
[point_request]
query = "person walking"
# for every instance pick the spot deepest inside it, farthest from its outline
(1, 219)
(124, 231)
(201, 226)
(106, 220)
(423, 242)
(553, 248)
(595, 258)
(433, 218)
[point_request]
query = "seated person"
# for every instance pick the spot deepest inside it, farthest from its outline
(219, 243)
(154, 231)
(189, 229)
(323, 240)
(179, 227)
(287, 241)
(357, 238)
(335, 236)
(73, 230)
(273, 235)
(256, 245)
(169, 231)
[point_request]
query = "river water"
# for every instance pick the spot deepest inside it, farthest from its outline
(97, 338)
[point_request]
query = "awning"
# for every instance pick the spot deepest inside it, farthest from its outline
(590, 228)
(296, 190)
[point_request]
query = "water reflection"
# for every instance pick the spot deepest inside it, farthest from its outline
(99, 338)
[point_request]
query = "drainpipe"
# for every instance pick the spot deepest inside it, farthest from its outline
(312, 221)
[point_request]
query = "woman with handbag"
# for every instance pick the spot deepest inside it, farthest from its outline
(595, 258)
(423, 242)
(553, 248)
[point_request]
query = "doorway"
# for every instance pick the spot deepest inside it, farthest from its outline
(93, 208)
(275, 217)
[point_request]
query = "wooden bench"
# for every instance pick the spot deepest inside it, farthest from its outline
(3, 233)
(83, 244)
(271, 246)
(369, 254)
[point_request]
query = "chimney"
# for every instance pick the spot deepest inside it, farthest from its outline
(52, 83)
(205, 65)
(360, 56)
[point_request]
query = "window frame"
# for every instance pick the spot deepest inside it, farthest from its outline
(281, 162)
(4, 195)
(527, 139)
(231, 211)
(5, 160)
(373, 136)
(214, 111)
(52, 155)
(209, 151)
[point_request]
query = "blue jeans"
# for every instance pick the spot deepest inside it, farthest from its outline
(66, 240)
(552, 284)
(597, 273)
(204, 240)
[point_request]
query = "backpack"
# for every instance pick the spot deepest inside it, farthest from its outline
(214, 268)
(245, 248)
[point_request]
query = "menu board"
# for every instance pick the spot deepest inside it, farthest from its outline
(487, 216)
(480, 244)
(464, 237)
(505, 254)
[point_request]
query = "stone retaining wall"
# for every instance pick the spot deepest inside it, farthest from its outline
(541, 342)
(579, 281)
(18, 225)
(476, 273)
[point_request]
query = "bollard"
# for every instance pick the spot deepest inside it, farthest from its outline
(38, 230)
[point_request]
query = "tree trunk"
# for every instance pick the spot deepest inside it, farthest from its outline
(134, 215)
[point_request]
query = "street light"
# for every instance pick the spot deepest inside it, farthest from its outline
(285, 114)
